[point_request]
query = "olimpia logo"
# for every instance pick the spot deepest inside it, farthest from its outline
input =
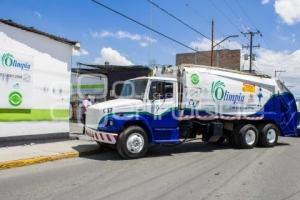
(217, 90)
(8, 60)
(219, 93)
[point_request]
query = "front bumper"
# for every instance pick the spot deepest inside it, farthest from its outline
(105, 137)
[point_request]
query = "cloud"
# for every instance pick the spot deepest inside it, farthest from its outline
(288, 10)
(107, 54)
(81, 52)
(264, 2)
(143, 40)
(127, 35)
(38, 14)
(268, 61)
(101, 34)
(144, 44)
(291, 39)
(205, 45)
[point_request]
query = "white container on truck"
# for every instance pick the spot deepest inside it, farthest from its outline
(219, 104)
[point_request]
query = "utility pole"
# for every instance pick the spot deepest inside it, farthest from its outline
(212, 43)
(251, 46)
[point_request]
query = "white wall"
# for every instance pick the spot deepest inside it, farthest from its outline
(50, 76)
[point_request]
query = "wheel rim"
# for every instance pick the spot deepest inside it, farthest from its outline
(250, 137)
(135, 143)
(271, 136)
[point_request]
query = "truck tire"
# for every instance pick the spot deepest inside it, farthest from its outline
(268, 135)
(246, 136)
(132, 142)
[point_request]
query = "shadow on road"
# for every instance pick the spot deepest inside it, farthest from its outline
(155, 151)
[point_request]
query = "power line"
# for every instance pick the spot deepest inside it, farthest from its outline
(143, 25)
(184, 23)
(205, 19)
(246, 15)
(251, 24)
(251, 21)
(196, 12)
(234, 13)
(179, 20)
(228, 18)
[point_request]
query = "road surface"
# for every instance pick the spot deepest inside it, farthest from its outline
(190, 171)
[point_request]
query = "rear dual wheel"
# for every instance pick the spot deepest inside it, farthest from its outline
(247, 136)
(268, 135)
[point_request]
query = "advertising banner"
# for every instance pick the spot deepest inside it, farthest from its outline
(15, 80)
(228, 94)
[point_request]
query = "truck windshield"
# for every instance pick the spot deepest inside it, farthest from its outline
(134, 89)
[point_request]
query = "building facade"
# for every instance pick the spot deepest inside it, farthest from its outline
(35, 72)
(229, 59)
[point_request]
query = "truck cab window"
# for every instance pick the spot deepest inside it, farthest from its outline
(161, 90)
(134, 89)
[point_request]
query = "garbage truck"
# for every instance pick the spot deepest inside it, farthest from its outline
(193, 101)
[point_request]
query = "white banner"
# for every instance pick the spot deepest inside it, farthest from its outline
(90, 84)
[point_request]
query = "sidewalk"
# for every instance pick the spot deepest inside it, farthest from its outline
(17, 156)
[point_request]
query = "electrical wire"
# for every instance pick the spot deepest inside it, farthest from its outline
(234, 13)
(196, 12)
(179, 20)
(143, 25)
(250, 21)
(183, 22)
(225, 15)
(246, 15)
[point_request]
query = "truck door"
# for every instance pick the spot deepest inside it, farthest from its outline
(162, 104)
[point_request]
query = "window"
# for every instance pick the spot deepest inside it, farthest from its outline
(134, 89)
(161, 90)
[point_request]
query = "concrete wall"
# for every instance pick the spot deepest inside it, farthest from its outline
(50, 84)
(229, 59)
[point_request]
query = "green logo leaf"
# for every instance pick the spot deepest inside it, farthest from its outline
(7, 59)
(15, 98)
(195, 79)
(217, 90)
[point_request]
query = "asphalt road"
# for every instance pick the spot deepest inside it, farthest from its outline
(190, 171)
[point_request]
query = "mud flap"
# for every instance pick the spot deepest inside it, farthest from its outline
(216, 131)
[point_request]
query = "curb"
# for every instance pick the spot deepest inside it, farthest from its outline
(42, 159)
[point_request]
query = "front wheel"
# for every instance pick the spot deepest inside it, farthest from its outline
(132, 142)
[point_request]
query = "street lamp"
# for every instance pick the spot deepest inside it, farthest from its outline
(226, 38)
(278, 71)
(213, 46)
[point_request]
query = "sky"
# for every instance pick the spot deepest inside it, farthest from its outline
(105, 36)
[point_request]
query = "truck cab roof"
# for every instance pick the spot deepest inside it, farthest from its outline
(155, 78)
